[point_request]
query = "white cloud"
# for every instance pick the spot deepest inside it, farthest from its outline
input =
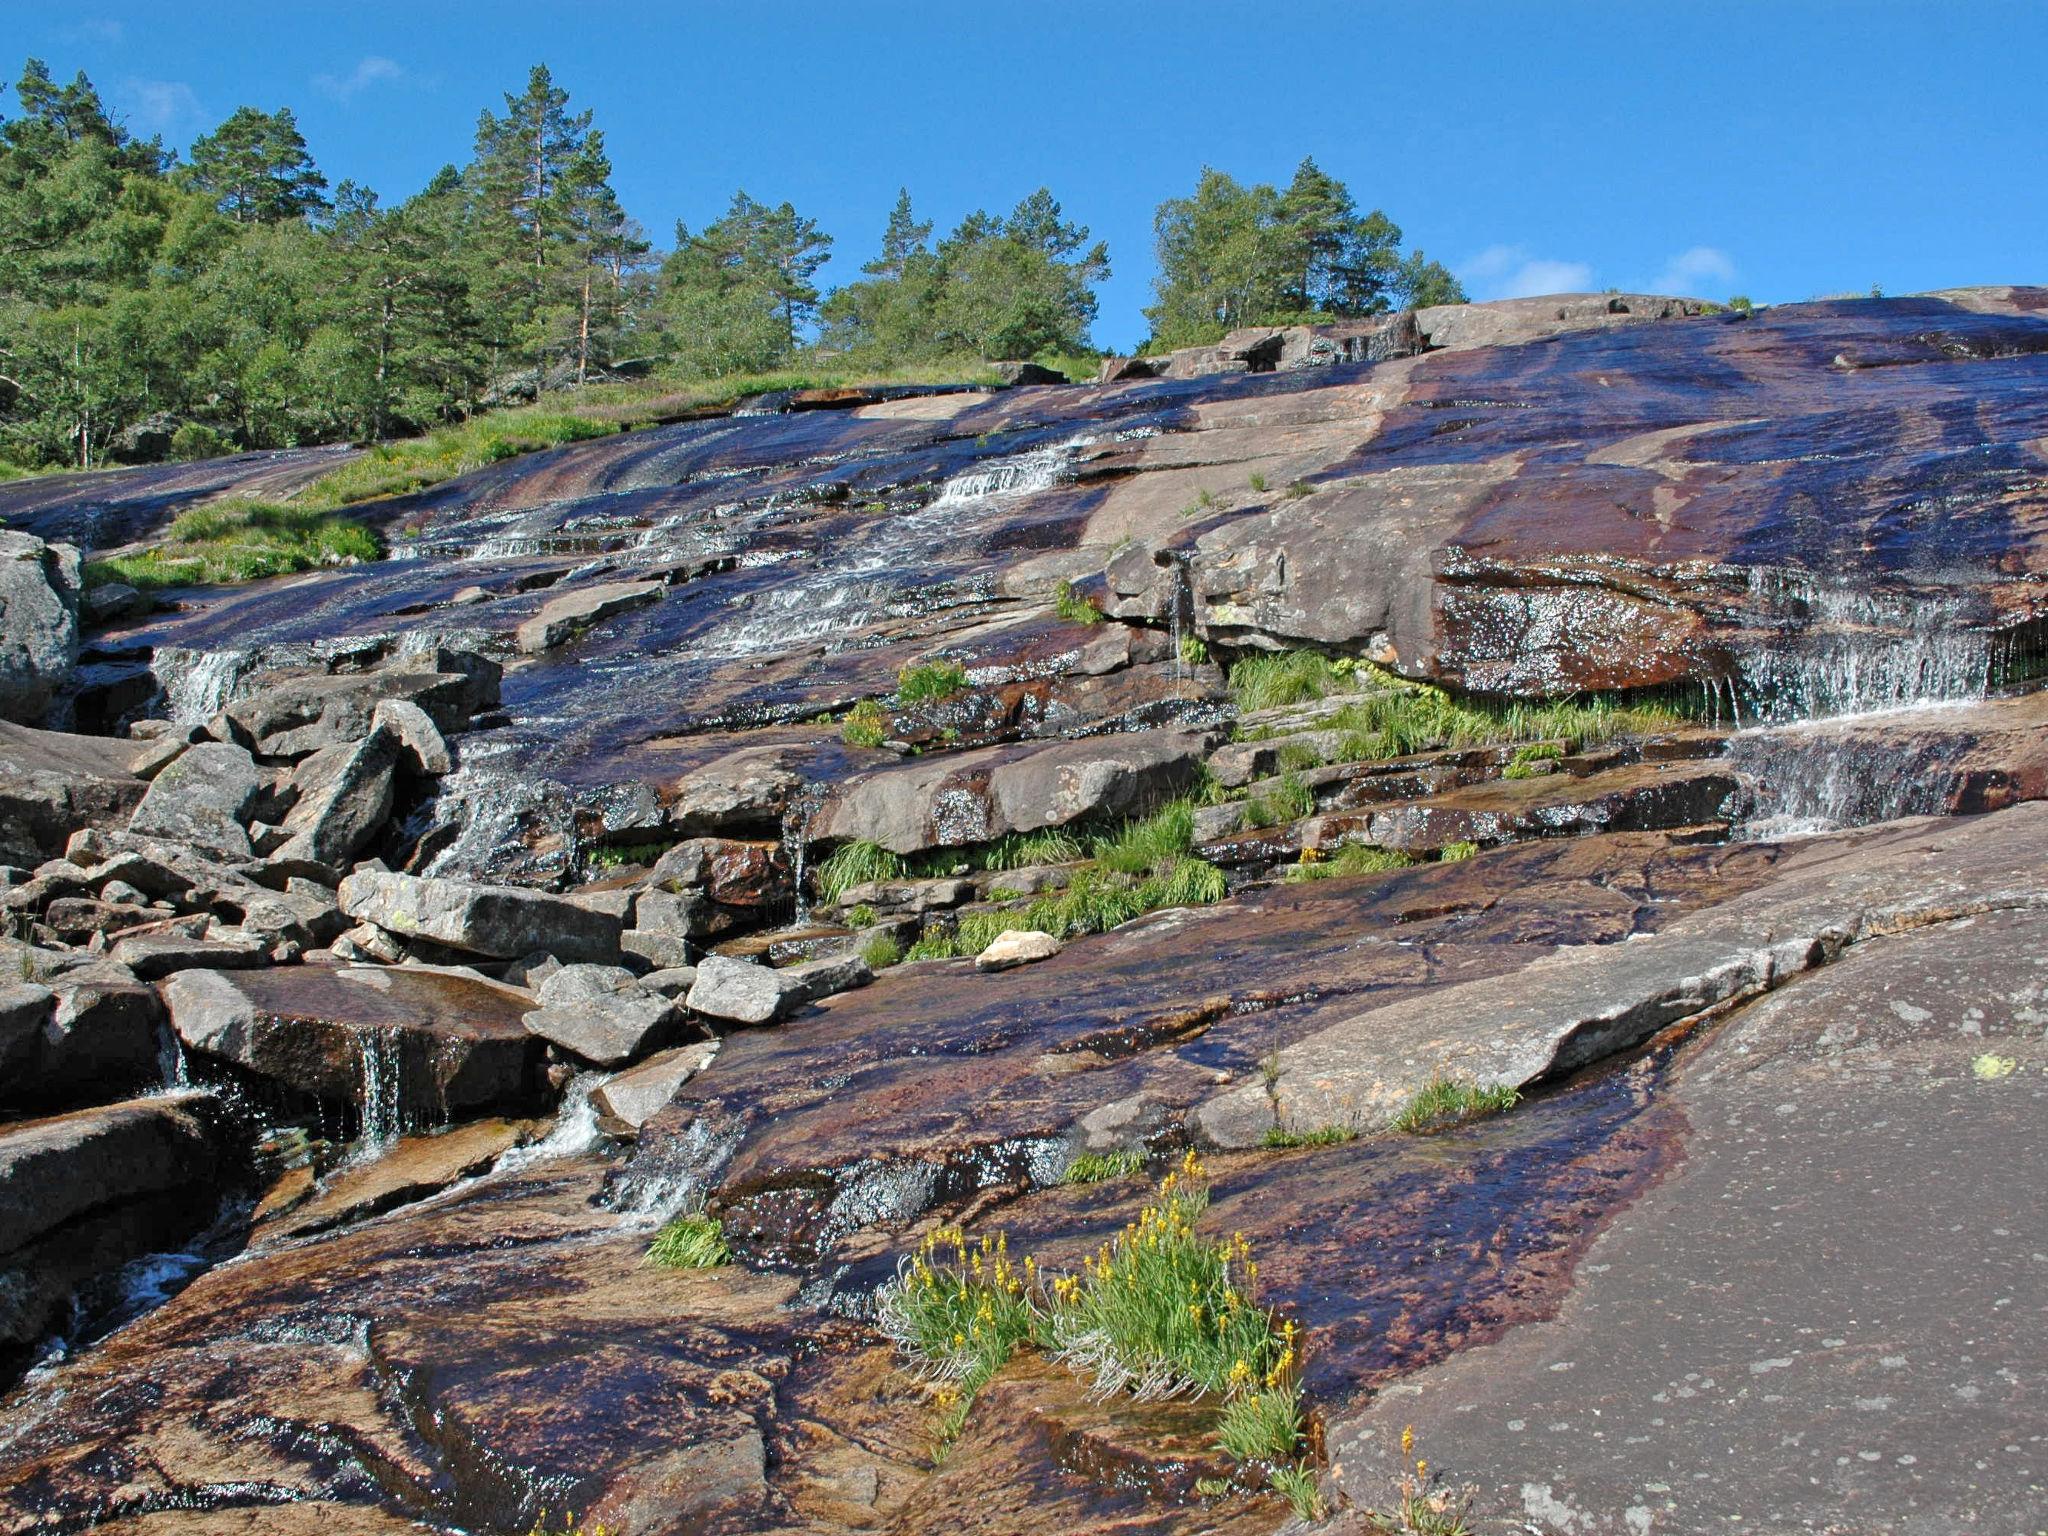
(1510, 272)
(1695, 272)
(96, 29)
(373, 69)
(161, 106)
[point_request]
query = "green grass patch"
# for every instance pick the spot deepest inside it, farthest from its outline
(1285, 802)
(929, 681)
(865, 725)
(1446, 1101)
(690, 1242)
(882, 951)
(1300, 1486)
(1458, 852)
(1351, 859)
(1257, 482)
(1279, 1138)
(227, 542)
(1101, 1167)
(857, 863)
(1194, 651)
(1073, 607)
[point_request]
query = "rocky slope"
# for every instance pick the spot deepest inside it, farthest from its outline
(867, 814)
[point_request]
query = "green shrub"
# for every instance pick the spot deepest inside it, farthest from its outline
(856, 863)
(1445, 1101)
(690, 1242)
(1298, 1485)
(928, 681)
(195, 440)
(1100, 1167)
(957, 1312)
(865, 725)
(1194, 651)
(1073, 607)
(862, 916)
(882, 951)
(1261, 1426)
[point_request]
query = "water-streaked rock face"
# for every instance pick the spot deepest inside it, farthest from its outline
(454, 1327)
(1820, 507)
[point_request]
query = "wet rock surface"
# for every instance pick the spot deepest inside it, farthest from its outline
(843, 817)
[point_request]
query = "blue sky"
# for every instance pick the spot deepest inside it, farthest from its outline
(1778, 150)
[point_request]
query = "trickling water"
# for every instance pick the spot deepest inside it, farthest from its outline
(574, 1132)
(198, 684)
(381, 1064)
(172, 1066)
(660, 1184)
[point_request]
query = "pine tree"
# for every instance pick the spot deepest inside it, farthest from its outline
(256, 169)
(736, 293)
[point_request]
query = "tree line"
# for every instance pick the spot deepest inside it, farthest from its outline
(235, 300)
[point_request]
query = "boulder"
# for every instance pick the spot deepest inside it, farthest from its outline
(663, 951)
(205, 798)
(731, 872)
(498, 921)
(290, 712)
(425, 748)
(564, 616)
(39, 586)
(745, 993)
(630, 1099)
(417, 1046)
(953, 800)
(602, 1014)
(745, 791)
(1018, 947)
(53, 785)
(154, 956)
(344, 797)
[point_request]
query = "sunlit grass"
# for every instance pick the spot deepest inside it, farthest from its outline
(690, 1242)
(228, 542)
(1100, 1167)
(1445, 1101)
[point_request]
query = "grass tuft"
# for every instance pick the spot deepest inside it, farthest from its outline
(1446, 1101)
(1301, 1488)
(1280, 1138)
(882, 951)
(857, 863)
(1100, 1167)
(690, 1242)
(1288, 801)
(1351, 859)
(865, 725)
(1073, 607)
(930, 681)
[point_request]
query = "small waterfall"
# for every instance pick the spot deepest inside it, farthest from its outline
(1854, 651)
(175, 1070)
(796, 827)
(199, 684)
(574, 1132)
(1823, 775)
(380, 1059)
(663, 1183)
(1020, 475)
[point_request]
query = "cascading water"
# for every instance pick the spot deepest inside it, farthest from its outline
(574, 1132)
(198, 684)
(660, 1184)
(1829, 714)
(868, 577)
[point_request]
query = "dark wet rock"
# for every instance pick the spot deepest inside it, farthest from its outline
(53, 784)
(976, 797)
(744, 791)
(343, 796)
(573, 612)
(410, 1169)
(1583, 1003)
(109, 600)
(629, 1099)
(39, 586)
(1813, 1115)
(86, 1192)
(205, 798)
(603, 1015)
(730, 872)
(1015, 373)
(102, 509)
(496, 921)
(84, 1038)
(746, 993)
(437, 1046)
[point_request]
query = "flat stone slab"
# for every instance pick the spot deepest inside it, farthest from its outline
(427, 1045)
(499, 921)
(1829, 1317)
(578, 610)
(1584, 1002)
